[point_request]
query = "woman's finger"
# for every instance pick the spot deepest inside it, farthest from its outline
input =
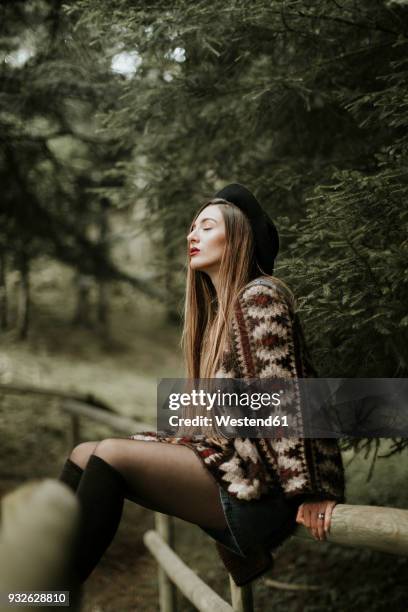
(307, 513)
(314, 519)
(306, 516)
(321, 521)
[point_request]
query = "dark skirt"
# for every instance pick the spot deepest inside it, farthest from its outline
(257, 523)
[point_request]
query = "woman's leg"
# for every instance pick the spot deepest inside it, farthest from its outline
(164, 477)
(167, 478)
(160, 477)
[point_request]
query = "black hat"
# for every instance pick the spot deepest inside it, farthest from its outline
(265, 233)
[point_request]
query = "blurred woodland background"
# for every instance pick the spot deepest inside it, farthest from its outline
(117, 120)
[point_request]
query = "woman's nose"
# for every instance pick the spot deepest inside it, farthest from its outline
(191, 236)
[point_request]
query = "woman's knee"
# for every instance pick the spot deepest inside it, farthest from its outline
(81, 453)
(107, 449)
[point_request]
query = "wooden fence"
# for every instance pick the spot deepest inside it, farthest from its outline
(379, 528)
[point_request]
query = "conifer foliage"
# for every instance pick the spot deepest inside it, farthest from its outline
(304, 102)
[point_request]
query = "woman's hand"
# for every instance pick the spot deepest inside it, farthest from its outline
(308, 515)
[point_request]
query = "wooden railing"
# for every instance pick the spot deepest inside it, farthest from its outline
(379, 528)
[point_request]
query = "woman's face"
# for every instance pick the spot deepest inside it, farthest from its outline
(206, 241)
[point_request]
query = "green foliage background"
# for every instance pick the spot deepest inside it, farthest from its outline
(304, 102)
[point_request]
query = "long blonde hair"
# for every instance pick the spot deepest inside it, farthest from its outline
(208, 315)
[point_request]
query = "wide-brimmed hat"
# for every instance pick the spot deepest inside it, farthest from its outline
(265, 233)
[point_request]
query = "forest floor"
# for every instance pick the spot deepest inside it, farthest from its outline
(35, 438)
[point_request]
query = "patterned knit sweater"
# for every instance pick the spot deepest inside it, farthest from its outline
(266, 341)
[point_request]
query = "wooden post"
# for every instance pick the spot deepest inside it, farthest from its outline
(167, 590)
(38, 530)
(241, 597)
(191, 585)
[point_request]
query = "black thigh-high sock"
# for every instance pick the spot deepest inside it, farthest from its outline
(101, 494)
(71, 474)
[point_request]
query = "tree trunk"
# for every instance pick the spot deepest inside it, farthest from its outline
(103, 293)
(82, 313)
(23, 309)
(172, 314)
(3, 292)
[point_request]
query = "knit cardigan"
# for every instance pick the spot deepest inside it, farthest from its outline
(266, 341)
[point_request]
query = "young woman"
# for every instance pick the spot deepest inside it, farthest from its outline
(248, 494)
